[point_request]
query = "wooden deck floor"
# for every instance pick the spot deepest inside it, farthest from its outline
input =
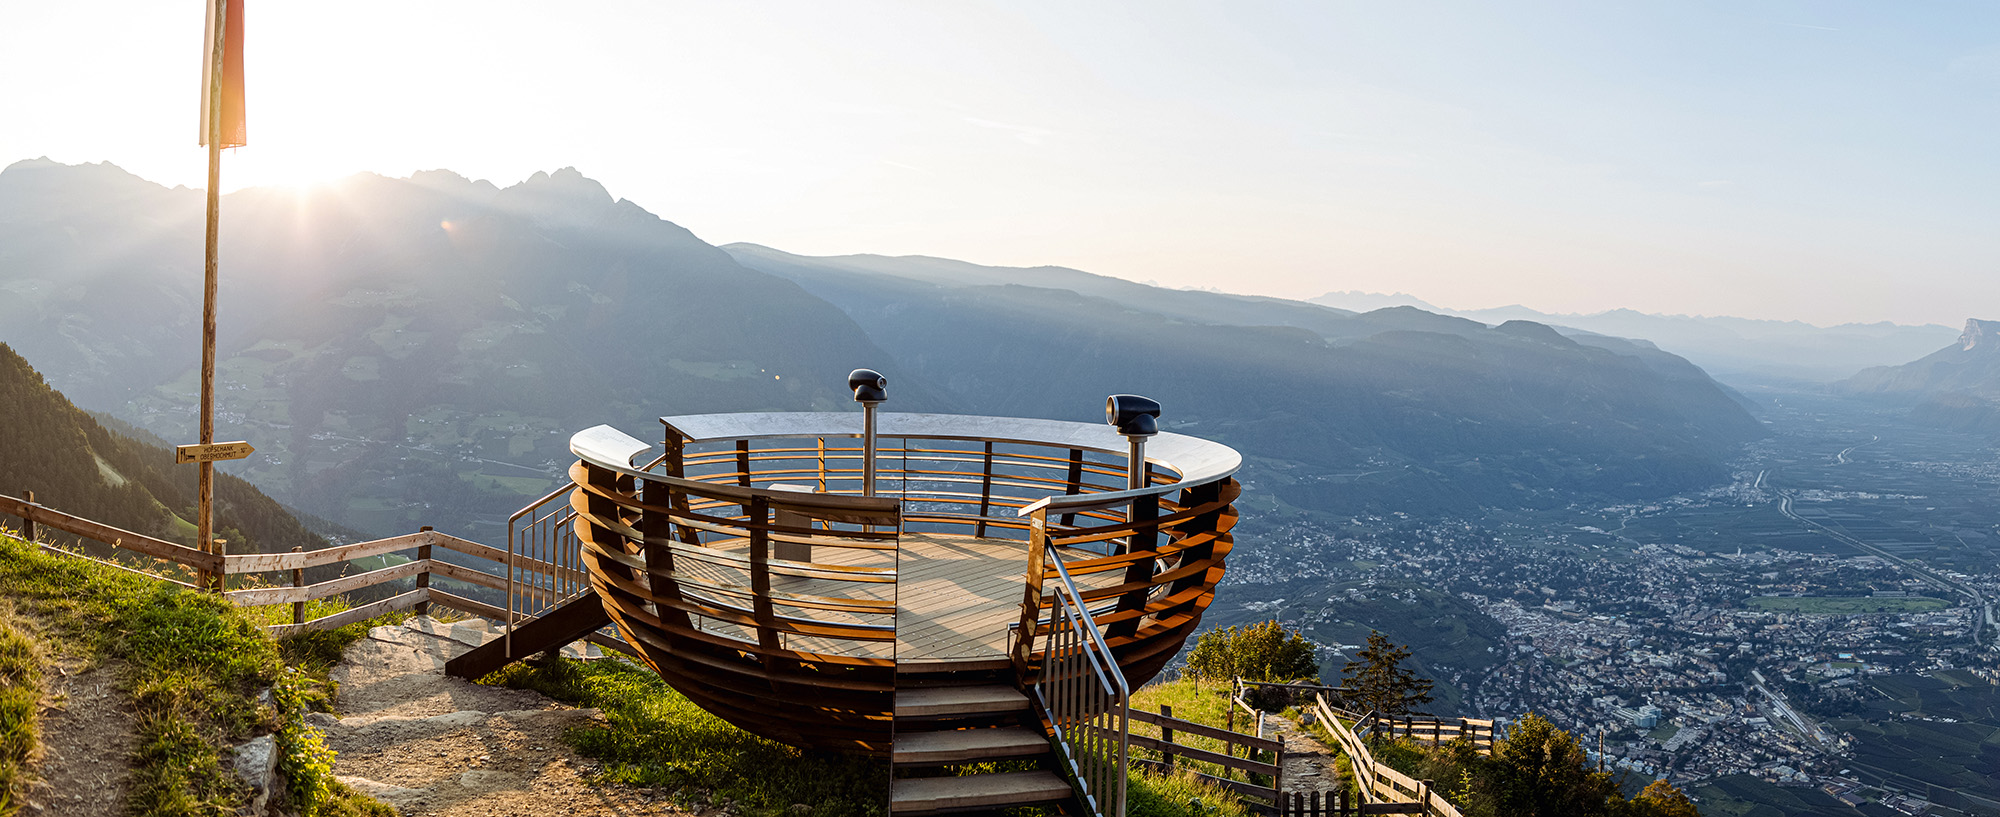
(955, 598)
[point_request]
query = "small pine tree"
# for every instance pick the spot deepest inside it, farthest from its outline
(1380, 682)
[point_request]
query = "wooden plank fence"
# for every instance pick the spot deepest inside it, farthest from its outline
(1382, 789)
(291, 568)
(1378, 783)
(1431, 730)
(1261, 756)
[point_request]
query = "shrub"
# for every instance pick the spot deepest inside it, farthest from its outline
(1259, 652)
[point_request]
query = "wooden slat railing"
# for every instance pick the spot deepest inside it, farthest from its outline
(176, 563)
(1425, 729)
(1377, 782)
(1258, 797)
(35, 514)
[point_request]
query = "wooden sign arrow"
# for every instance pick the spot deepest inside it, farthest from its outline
(212, 452)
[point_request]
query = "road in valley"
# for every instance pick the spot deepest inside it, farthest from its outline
(1981, 622)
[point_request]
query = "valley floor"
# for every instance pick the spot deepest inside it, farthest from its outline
(1818, 628)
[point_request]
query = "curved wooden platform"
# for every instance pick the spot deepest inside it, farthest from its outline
(790, 609)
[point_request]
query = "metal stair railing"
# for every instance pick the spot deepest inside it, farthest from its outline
(545, 563)
(1086, 699)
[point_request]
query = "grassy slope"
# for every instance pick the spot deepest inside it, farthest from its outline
(192, 665)
(20, 696)
(655, 737)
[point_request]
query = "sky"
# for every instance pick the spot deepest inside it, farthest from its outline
(1822, 161)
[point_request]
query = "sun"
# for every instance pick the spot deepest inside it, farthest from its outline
(279, 166)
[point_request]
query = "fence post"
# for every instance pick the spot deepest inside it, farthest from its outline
(423, 608)
(1229, 747)
(298, 580)
(1278, 760)
(1424, 795)
(1167, 737)
(28, 522)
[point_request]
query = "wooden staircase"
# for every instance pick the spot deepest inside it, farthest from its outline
(950, 719)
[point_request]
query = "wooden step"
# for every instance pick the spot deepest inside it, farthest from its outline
(966, 745)
(913, 667)
(938, 702)
(924, 795)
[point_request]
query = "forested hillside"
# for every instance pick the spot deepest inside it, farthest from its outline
(74, 464)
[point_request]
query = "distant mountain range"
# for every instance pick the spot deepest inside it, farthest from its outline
(417, 351)
(1396, 408)
(75, 464)
(1955, 387)
(404, 351)
(1735, 350)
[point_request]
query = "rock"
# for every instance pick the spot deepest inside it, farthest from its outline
(323, 720)
(488, 780)
(397, 796)
(256, 764)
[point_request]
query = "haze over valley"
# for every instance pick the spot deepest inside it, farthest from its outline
(1658, 510)
(1633, 366)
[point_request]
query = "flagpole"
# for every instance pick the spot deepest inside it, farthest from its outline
(205, 526)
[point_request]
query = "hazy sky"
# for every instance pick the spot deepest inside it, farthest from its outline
(1816, 160)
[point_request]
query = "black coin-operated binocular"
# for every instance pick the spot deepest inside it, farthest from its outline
(1137, 418)
(870, 389)
(1132, 415)
(868, 385)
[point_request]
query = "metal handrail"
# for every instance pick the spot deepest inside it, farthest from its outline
(554, 526)
(1087, 701)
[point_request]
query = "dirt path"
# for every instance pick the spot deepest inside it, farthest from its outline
(431, 745)
(1309, 764)
(88, 736)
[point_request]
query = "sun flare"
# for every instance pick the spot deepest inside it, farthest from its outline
(271, 167)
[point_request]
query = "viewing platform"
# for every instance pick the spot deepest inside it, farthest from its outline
(888, 583)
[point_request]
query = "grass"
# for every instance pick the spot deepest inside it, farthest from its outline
(1179, 795)
(20, 698)
(653, 736)
(1203, 703)
(191, 663)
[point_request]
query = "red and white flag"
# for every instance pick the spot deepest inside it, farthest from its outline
(232, 126)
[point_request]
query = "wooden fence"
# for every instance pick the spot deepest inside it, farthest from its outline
(1379, 784)
(281, 576)
(1261, 756)
(1383, 790)
(1430, 730)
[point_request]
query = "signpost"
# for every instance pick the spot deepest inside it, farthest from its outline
(221, 126)
(212, 452)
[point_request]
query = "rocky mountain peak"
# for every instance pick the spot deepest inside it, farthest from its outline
(1979, 334)
(565, 197)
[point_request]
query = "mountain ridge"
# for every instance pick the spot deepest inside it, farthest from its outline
(1745, 350)
(417, 351)
(1439, 400)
